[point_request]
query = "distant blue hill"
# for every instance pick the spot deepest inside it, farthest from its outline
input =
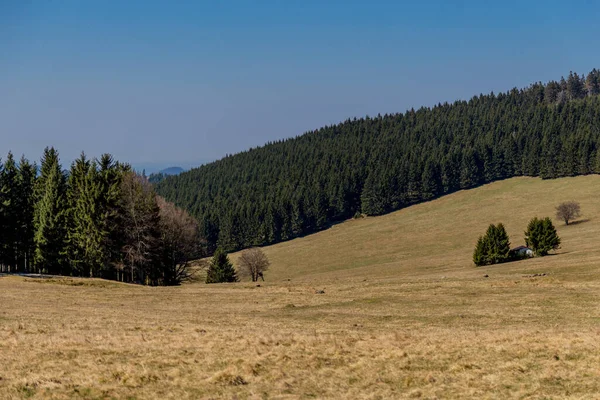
(171, 171)
(162, 174)
(159, 167)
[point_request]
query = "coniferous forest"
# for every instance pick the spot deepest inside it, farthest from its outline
(375, 165)
(99, 219)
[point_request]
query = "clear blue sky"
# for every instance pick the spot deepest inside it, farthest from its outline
(181, 82)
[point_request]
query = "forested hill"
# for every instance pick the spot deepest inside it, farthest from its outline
(376, 165)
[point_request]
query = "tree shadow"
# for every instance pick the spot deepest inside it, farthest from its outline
(579, 221)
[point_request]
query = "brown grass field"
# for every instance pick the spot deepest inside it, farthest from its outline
(405, 314)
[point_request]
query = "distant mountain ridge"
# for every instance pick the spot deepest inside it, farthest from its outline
(162, 174)
(171, 171)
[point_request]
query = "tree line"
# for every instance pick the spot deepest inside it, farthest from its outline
(99, 219)
(375, 165)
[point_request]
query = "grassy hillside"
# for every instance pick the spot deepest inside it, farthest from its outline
(438, 237)
(405, 314)
(298, 186)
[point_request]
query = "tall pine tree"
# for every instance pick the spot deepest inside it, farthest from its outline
(9, 180)
(50, 217)
(26, 201)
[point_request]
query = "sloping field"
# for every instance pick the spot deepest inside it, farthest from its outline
(438, 237)
(404, 314)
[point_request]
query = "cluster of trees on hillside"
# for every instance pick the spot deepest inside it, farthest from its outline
(376, 165)
(494, 246)
(99, 219)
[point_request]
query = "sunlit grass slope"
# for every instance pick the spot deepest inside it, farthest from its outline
(438, 237)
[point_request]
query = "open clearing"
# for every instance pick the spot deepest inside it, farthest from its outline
(404, 314)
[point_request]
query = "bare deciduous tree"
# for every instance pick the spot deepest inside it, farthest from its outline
(254, 262)
(180, 241)
(140, 217)
(568, 211)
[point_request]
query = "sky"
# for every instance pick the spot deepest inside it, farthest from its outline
(161, 83)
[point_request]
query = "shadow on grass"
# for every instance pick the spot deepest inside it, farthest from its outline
(580, 221)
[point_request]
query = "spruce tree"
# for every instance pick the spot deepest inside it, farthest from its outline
(592, 85)
(110, 177)
(551, 92)
(85, 233)
(493, 247)
(541, 236)
(431, 184)
(50, 216)
(26, 199)
(9, 178)
(501, 246)
(221, 269)
(480, 253)
(370, 199)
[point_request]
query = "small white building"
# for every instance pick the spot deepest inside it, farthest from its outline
(523, 251)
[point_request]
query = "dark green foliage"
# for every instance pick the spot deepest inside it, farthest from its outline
(541, 236)
(592, 83)
(26, 209)
(9, 197)
(376, 165)
(86, 223)
(50, 216)
(493, 247)
(16, 215)
(157, 177)
(479, 255)
(221, 269)
(85, 234)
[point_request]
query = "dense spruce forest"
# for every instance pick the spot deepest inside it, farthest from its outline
(375, 165)
(99, 219)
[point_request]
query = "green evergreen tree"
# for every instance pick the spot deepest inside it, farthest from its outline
(500, 251)
(541, 236)
(221, 269)
(468, 170)
(575, 87)
(551, 92)
(26, 204)
(9, 188)
(86, 234)
(50, 217)
(480, 253)
(110, 177)
(592, 85)
(371, 199)
(493, 247)
(431, 180)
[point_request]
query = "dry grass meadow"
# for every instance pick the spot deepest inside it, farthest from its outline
(404, 314)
